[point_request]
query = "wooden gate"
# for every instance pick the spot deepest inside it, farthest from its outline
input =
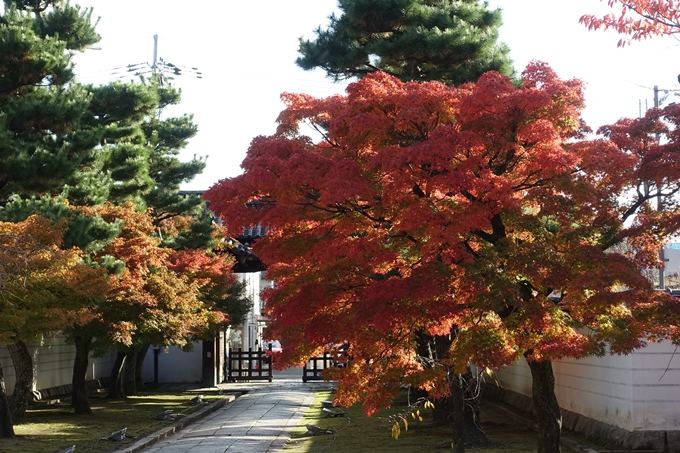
(249, 365)
(315, 365)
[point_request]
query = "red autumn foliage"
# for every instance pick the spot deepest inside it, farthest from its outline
(212, 273)
(435, 209)
(639, 19)
(150, 302)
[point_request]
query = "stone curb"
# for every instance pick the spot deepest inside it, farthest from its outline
(565, 441)
(166, 431)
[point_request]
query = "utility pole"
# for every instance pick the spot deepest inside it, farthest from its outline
(662, 277)
(155, 51)
(160, 68)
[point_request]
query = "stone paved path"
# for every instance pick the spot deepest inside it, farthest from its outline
(256, 422)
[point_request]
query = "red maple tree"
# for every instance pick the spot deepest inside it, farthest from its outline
(639, 19)
(453, 213)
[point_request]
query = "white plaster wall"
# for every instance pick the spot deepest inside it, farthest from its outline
(640, 391)
(516, 378)
(656, 387)
(597, 387)
(174, 365)
(7, 370)
(53, 363)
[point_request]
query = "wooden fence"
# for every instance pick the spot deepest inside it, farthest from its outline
(315, 365)
(249, 365)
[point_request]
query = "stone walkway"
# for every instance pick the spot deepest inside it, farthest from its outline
(258, 421)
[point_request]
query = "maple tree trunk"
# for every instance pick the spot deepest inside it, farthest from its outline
(80, 401)
(459, 419)
(461, 408)
(141, 355)
(130, 373)
(114, 390)
(6, 426)
(548, 414)
(23, 384)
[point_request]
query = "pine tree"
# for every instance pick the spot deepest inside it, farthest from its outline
(41, 139)
(42, 143)
(63, 144)
(451, 41)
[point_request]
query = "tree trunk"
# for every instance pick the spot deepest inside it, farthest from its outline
(458, 403)
(548, 414)
(23, 384)
(139, 382)
(114, 390)
(130, 373)
(80, 401)
(461, 408)
(6, 426)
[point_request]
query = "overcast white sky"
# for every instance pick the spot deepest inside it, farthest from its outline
(246, 52)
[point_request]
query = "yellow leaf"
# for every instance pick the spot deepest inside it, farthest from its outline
(413, 415)
(396, 430)
(420, 418)
(489, 371)
(418, 412)
(405, 424)
(452, 446)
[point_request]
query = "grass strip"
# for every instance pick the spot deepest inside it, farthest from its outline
(52, 428)
(356, 432)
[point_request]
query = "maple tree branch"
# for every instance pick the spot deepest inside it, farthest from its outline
(324, 133)
(658, 19)
(376, 276)
(634, 207)
(668, 194)
(404, 234)
(498, 228)
(468, 195)
(418, 191)
(525, 185)
(504, 166)
(363, 210)
(470, 250)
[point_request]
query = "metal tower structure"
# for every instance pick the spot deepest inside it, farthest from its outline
(164, 70)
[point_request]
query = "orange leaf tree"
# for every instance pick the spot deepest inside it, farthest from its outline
(149, 303)
(639, 19)
(41, 285)
(427, 209)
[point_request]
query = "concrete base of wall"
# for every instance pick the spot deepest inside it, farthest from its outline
(611, 436)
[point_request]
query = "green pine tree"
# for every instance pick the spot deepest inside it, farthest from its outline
(42, 142)
(62, 143)
(452, 41)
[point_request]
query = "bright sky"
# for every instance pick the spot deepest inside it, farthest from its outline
(246, 52)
